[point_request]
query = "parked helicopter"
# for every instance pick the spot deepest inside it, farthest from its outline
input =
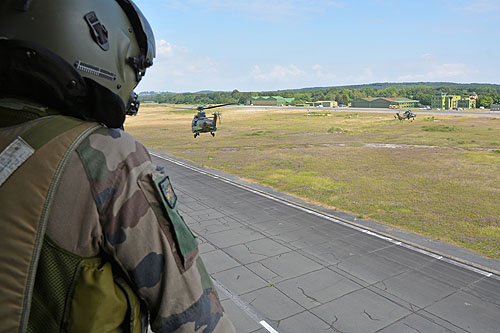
(406, 115)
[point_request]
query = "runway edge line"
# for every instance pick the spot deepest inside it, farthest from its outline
(487, 272)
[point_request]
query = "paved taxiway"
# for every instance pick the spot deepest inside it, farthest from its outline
(476, 113)
(282, 267)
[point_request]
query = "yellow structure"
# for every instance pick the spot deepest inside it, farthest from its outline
(467, 103)
(445, 101)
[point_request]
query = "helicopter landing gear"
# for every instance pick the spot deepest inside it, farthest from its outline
(213, 134)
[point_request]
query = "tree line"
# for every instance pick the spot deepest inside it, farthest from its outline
(487, 94)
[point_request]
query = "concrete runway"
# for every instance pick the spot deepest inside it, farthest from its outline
(477, 113)
(282, 265)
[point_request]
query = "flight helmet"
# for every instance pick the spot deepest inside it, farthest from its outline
(84, 57)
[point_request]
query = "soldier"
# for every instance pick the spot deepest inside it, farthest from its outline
(90, 236)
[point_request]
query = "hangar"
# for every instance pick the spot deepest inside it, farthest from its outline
(326, 104)
(383, 102)
(270, 100)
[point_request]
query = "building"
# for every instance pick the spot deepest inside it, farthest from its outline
(383, 102)
(467, 103)
(270, 100)
(447, 102)
(495, 107)
(326, 104)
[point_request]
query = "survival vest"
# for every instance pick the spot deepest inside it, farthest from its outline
(85, 295)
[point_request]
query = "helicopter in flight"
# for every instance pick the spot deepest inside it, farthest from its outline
(406, 115)
(202, 123)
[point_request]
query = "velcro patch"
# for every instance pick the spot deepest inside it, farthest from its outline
(168, 192)
(186, 240)
(11, 158)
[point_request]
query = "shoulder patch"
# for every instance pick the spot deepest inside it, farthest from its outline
(186, 241)
(167, 192)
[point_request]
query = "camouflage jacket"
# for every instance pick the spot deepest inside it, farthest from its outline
(112, 201)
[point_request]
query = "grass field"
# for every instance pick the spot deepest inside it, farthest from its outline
(438, 175)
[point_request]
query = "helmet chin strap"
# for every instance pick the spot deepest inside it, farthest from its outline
(103, 106)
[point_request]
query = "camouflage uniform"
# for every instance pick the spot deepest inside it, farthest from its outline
(113, 202)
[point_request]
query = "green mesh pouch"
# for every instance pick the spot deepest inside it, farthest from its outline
(80, 294)
(55, 279)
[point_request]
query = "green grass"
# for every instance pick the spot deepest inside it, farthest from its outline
(438, 175)
(257, 133)
(439, 128)
(318, 114)
(335, 130)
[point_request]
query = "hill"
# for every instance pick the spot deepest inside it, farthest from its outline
(377, 85)
(421, 91)
(383, 85)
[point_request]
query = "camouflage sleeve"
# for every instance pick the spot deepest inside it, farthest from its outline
(147, 237)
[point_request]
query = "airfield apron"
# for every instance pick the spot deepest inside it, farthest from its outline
(30, 168)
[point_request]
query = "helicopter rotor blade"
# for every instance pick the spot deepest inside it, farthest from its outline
(213, 106)
(200, 108)
(180, 108)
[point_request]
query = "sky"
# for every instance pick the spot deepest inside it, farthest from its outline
(268, 45)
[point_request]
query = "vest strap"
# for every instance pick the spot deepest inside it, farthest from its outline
(26, 197)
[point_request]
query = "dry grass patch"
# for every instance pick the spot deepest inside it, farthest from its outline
(438, 176)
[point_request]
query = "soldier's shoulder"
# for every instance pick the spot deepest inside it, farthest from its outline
(113, 137)
(111, 154)
(112, 145)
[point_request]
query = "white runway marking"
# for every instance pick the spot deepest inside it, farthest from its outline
(333, 219)
(268, 327)
(252, 314)
(244, 306)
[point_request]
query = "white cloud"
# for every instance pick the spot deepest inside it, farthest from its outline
(293, 75)
(322, 74)
(442, 72)
(476, 6)
(175, 67)
(178, 69)
(278, 72)
(363, 76)
(413, 77)
(449, 71)
(426, 56)
(176, 57)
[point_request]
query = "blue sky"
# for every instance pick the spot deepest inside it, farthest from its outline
(265, 45)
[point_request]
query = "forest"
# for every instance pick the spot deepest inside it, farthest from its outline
(423, 91)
